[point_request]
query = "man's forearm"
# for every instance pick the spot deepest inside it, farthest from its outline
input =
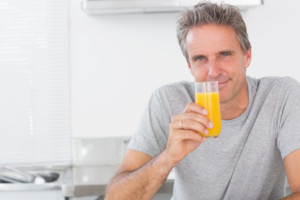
(142, 183)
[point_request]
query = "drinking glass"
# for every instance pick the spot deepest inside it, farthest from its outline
(207, 95)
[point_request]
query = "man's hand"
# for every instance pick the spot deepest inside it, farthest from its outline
(140, 176)
(184, 134)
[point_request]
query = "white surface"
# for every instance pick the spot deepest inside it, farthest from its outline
(34, 82)
(32, 195)
(133, 6)
(117, 61)
(274, 34)
(99, 151)
(125, 57)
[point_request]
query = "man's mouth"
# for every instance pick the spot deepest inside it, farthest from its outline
(222, 84)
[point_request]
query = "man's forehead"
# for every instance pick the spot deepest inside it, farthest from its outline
(210, 29)
(214, 37)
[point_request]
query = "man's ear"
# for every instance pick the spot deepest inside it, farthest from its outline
(190, 67)
(248, 56)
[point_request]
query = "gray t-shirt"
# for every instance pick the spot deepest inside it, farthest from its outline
(246, 160)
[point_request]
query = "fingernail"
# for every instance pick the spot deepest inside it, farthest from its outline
(211, 125)
(205, 132)
(204, 112)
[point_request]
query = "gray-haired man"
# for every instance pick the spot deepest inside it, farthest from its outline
(259, 142)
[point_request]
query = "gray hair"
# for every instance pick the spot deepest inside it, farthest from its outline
(210, 13)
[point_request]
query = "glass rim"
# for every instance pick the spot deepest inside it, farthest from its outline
(208, 86)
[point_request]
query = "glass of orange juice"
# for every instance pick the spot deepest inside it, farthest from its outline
(207, 95)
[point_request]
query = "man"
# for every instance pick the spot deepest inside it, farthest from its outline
(259, 140)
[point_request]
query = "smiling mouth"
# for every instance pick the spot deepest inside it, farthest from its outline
(222, 84)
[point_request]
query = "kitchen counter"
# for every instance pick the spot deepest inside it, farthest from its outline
(92, 181)
(95, 162)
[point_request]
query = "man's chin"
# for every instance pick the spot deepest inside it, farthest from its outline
(224, 96)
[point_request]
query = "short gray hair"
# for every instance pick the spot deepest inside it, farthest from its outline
(211, 13)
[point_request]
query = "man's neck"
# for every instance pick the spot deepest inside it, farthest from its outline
(236, 107)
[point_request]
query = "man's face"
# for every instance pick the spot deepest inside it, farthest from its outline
(215, 54)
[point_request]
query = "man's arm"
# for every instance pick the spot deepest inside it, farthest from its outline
(292, 168)
(140, 176)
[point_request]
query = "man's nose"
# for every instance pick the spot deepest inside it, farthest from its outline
(213, 69)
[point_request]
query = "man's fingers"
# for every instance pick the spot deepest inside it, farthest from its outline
(191, 121)
(193, 107)
(190, 124)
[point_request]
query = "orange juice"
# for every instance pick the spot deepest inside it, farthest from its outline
(210, 101)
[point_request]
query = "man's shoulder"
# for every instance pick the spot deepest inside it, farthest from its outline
(274, 82)
(277, 79)
(180, 87)
(175, 95)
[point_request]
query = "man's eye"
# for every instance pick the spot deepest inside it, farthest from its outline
(200, 58)
(225, 53)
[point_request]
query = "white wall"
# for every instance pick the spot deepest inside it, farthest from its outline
(274, 32)
(117, 61)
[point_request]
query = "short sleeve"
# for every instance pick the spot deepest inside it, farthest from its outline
(151, 134)
(289, 135)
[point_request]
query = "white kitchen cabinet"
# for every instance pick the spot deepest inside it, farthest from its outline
(32, 195)
(133, 6)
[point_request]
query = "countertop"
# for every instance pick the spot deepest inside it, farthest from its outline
(77, 181)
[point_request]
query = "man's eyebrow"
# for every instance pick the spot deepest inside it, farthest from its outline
(227, 51)
(230, 51)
